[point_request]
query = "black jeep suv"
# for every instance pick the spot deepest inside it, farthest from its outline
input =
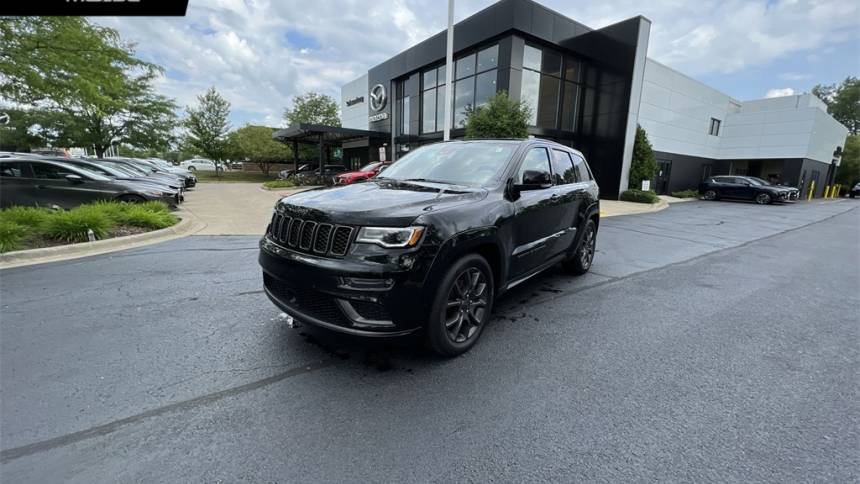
(433, 240)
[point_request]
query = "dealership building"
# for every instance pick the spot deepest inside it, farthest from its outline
(588, 88)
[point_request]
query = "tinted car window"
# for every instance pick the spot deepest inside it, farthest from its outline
(50, 172)
(562, 167)
(582, 173)
(536, 160)
(13, 169)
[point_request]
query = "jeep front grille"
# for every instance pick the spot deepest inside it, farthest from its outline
(309, 236)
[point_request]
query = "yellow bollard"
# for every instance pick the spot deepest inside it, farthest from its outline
(826, 191)
(811, 190)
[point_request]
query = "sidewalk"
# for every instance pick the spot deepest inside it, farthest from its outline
(232, 208)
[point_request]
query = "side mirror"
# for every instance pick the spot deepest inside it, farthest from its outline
(381, 169)
(535, 180)
(74, 179)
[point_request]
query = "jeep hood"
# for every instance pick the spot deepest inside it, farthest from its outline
(381, 202)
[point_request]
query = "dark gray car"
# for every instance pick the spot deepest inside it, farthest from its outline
(32, 182)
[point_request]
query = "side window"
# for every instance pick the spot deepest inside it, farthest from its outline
(13, 169)
(50, 172)
(536, 159)
(562, 167)
(582, 173)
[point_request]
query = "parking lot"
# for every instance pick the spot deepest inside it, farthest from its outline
(711, 341)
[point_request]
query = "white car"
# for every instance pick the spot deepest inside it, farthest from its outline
(198, 164)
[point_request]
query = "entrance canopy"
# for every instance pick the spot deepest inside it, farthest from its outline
(320, 133)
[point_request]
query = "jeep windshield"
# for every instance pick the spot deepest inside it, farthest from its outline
(458, 163)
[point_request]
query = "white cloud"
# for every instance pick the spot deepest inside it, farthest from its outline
(779, 92)
(241, 46)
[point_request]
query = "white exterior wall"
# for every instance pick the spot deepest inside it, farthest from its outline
(354, 116)
(676, 112)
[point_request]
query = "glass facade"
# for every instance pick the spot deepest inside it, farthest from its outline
(550, 88)
(475, 81)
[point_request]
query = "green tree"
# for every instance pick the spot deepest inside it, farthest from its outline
(644, 164)
(500, 117)
(29, 128)
(313, 108)
(848, 172)
(843, 101)
(207, 125)
(86, 72)
(255, 144)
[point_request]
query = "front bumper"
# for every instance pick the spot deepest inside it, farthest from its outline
(349, 295)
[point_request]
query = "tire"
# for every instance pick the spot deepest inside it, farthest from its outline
(131, 199)
(461, 308)
(192, 169)
(710, 195)
(763, 199)
(580, 262)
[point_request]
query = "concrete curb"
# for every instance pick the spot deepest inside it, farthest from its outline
(646, 208)
(18, 258)
(289, 189)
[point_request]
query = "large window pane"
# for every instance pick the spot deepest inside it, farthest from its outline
(429, 79)
(465, 66)
(551, 63)
(572, 69)
(486, 87)
(440, 77)
(464, 96)
(405, 118)
(531, 58)
(569, 106)
(529, 93)
(548, 101)
(428, 111)
(441, 95)
(488, 58)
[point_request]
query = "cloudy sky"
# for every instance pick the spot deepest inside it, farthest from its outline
(260, 53)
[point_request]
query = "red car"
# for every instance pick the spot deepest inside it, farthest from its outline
(365, 173)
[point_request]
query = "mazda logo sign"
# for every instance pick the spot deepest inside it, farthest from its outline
(377, 97)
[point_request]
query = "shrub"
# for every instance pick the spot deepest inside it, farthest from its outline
(689, 193)
(11, 235)
(644, 164)
(155, 206)
(500, 117)
(279, 184)
(30, 218)
(143, 216)
(639, 196)
(72, 225)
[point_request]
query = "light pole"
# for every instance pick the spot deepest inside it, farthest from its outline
(449, 68)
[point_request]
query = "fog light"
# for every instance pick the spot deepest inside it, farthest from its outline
(366, 284)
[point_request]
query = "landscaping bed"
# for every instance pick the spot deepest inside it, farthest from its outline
(32, 228)
(234, 176)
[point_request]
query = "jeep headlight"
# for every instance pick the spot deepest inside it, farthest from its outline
(390, 237)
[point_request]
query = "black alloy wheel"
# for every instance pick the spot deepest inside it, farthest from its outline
(763, 199)
(467, 302)
(462, 306)
(580, 262)
(710, 195)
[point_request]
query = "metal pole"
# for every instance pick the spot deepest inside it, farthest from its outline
(449, 68)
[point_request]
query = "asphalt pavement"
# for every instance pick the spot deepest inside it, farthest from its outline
(711, 342)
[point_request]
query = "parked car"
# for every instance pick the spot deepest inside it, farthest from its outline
(149, 170)
(854, 191)
(198, 164)
(287, 174)
(33, 182)
(188, 177)
(115, 173)
(744, 188)
(325, 175)
(431, 243)
(363, 174)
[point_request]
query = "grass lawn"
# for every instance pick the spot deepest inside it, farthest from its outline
(235, 176)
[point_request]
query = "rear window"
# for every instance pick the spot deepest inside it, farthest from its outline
(12, 169)
(582, 172)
